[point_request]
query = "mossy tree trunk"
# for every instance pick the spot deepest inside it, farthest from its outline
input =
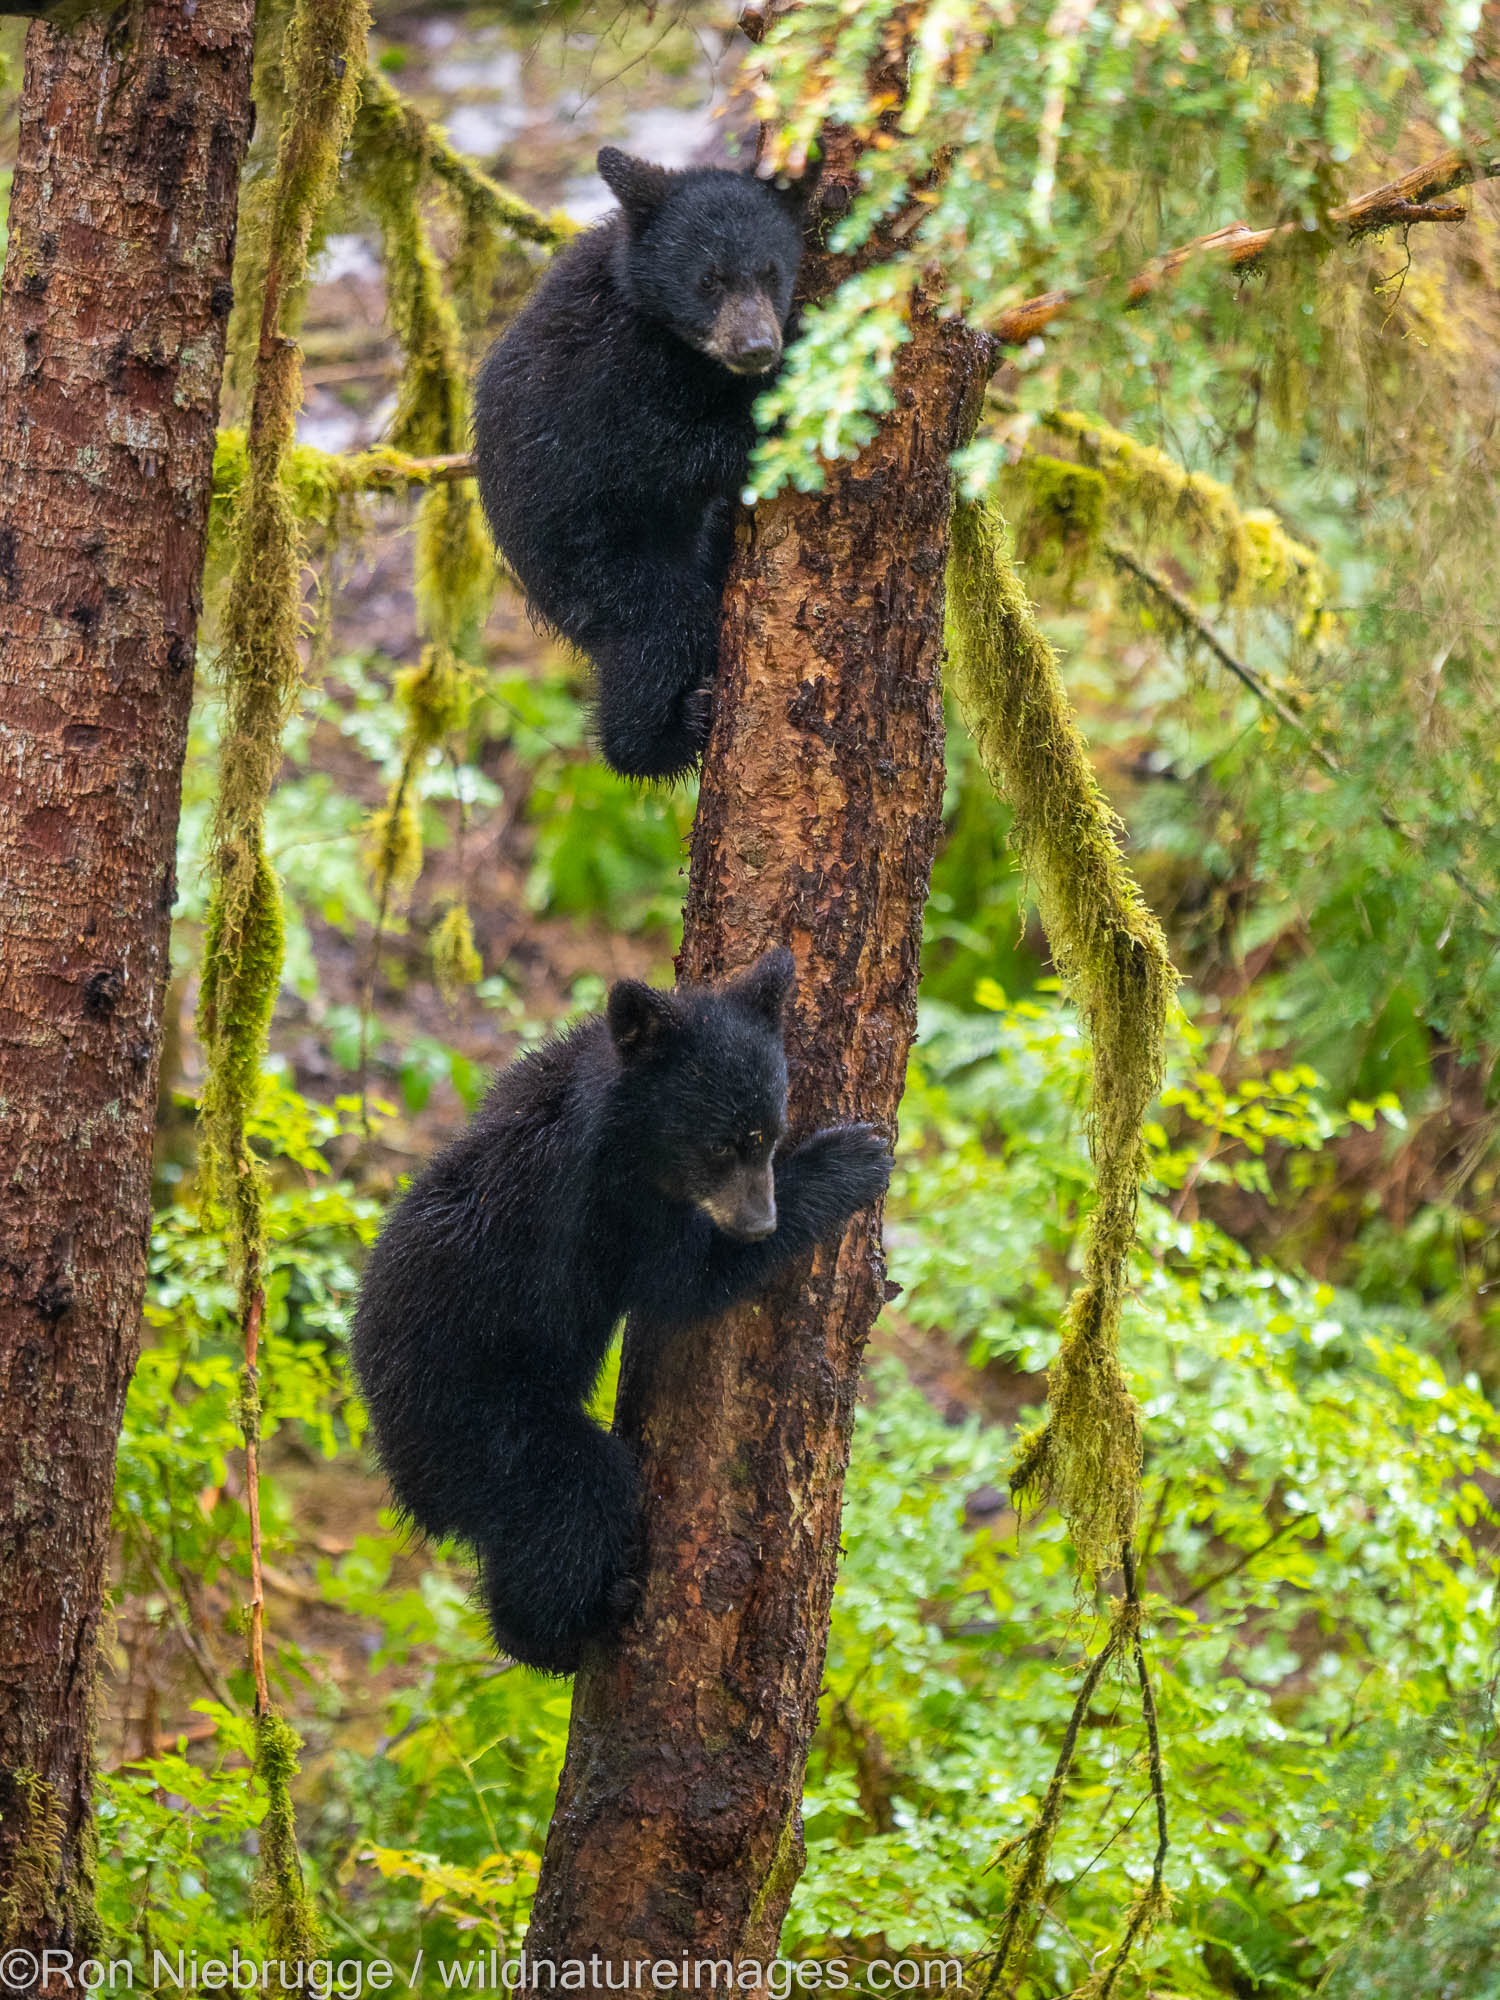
(677, 1830)
(115, 298)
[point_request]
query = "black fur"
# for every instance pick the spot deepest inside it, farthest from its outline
(580, 1193)
(612, 426)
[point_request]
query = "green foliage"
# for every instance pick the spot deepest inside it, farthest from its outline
(605, 846)
(1045, 162)
(1317, 1553)
(177, 1872)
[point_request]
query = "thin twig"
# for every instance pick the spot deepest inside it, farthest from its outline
(1149, 1906)
(252, 1498)
(1411, 198)
(1243, 1560)
(1038, 1841)
(1187, 615)
(1197, 627)
(203, 1660)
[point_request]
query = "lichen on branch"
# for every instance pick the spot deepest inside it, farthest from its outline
(396, 152)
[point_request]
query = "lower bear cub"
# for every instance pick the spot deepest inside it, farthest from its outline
(634, 1165)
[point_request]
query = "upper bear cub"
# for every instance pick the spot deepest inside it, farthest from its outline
(634, 1165)
(612, 426)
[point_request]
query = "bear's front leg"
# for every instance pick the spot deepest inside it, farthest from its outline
(819, 1185)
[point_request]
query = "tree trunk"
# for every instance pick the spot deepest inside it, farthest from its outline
(677, 1831)
(116, 294)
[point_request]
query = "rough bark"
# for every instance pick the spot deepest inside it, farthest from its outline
(115, 298)
(677, 1831)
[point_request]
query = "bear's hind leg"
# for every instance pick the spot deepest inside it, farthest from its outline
(656, 671)
(557, 1534)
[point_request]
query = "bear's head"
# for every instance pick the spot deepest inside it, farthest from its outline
(700, 1100)
(711, 255)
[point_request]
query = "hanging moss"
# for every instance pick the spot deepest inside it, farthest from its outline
(1110, 951)
(456, 963)
(394, 840)
(1062, 516)
(1253, 555)
(281, 1894)
(491, 220)
(323, 59)
(257, 192)
(455, 570)
(437, 695)
(242, 958)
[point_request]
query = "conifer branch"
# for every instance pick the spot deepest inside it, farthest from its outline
(1186, 618)
(1413, 197)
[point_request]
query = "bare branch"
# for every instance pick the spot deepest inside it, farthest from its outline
(1152, 1904)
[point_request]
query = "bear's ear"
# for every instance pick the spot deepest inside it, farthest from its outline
(796, 196)
(636, 185)
(640, 1019)
(763, 989)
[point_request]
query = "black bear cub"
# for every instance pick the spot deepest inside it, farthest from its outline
(612, 427)
(634, 1165)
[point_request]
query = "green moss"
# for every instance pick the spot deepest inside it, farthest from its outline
(258, 516)
(242, 958)
(394, 159)
(456, 963)
(1253, 555)
(31, 1904)
(1063, 514)
(394, 842)
(775, 1889)
(437, 695)
(257, 190)
(316, 482)
(281, 1894)
(390, 125)
(1110, 951)
(258, 528)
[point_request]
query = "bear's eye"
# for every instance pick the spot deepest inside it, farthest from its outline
(768, 276)
(721, 1154)
(710, 283)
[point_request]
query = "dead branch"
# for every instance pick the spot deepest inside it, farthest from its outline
(1395, 204)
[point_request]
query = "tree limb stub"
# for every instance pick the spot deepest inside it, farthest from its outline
(678, 1829)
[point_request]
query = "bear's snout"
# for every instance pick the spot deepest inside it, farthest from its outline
(746, 334)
